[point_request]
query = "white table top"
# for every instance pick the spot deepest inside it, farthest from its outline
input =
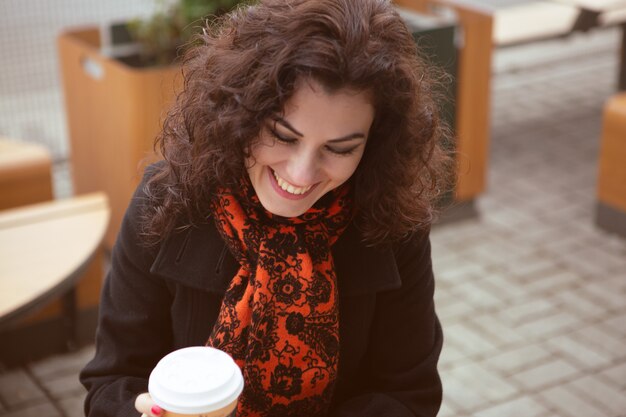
(543, 19)
(532, 21)
(45, 247)
(596, 5)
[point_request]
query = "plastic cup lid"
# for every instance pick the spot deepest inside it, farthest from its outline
(196, 379)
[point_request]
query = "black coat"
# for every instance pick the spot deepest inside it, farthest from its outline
(161, 299)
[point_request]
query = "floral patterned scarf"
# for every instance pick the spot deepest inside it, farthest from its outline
(279, 318)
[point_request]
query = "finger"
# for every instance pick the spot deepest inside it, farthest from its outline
(145, 405)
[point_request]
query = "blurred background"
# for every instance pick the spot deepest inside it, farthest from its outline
(31, 94)
(530, 259)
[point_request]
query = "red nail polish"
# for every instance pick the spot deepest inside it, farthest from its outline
(156, 410)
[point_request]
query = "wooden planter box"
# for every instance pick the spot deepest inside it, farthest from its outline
(114, 112)
(611, 193)
(473, 82)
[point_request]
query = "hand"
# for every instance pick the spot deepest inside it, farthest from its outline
(145, 405)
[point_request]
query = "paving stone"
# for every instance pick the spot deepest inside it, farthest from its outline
(59, 387)
(468, 339)
(617, 374)
(491, 385)
(536, 237)
(606, 295)
(495, 330)
(604, 395)
(519, 407)
(462, 396)
(604, 339)
(526, 310)
(458, 308)
(508, 217)
(537, 206)
(578, 301)
(549, 282)
(532, 264)
(585, 355)
(443, 298)
(617, 281)
(499, 283)
(450, 234)
(442, 259)
(70, 363)
(451, 355)
(477, 295)
(519, 358)
(461, 273)
(550, 373)
(598, 258)
(569, 404)
(495, 251)
(613, 244)
(73, 406)
(549, 325)
(36, 410)
(585, 265)
(601, 256)
(617, 322)
(18, 388)
(447, 410)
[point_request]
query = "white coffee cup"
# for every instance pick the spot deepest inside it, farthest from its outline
(196, 381)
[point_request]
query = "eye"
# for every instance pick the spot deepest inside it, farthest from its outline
(342, 152)
(281, 138)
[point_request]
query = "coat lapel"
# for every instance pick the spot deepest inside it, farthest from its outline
(363, 269)
(198, 258)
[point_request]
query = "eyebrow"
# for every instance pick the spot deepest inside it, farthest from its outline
(346, 138)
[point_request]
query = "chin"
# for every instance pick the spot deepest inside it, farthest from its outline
(286, 212)
(285, 208)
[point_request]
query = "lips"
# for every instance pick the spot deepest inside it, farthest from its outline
(288, 190)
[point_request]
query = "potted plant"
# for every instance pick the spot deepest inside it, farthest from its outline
(171, 28)
(115, 102)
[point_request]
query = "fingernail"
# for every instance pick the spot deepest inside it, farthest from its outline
(156, 410)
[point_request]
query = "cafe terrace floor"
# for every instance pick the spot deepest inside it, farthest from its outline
(532, 296)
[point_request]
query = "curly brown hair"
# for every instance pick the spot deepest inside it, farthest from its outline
(246, 68)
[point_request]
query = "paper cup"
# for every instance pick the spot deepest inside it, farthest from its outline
(196, 381)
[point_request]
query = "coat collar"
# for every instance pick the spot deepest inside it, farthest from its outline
(198, 257)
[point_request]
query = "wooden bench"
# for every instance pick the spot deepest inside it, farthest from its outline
(611, 206)
(25, 173)
(51, 269)
(50, 254)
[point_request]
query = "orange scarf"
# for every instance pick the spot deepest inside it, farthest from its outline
(279, 318)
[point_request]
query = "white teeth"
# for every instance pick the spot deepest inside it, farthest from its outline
(284, 185)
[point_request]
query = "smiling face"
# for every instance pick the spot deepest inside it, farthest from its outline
(311, 149)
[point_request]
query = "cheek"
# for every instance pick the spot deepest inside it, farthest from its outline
(263, 153)
(343, 170)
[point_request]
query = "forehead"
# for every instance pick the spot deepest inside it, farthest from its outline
(318, 109)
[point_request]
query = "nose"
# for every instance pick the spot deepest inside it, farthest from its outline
(303, 168)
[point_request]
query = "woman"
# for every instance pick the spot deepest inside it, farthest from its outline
(288, 223)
